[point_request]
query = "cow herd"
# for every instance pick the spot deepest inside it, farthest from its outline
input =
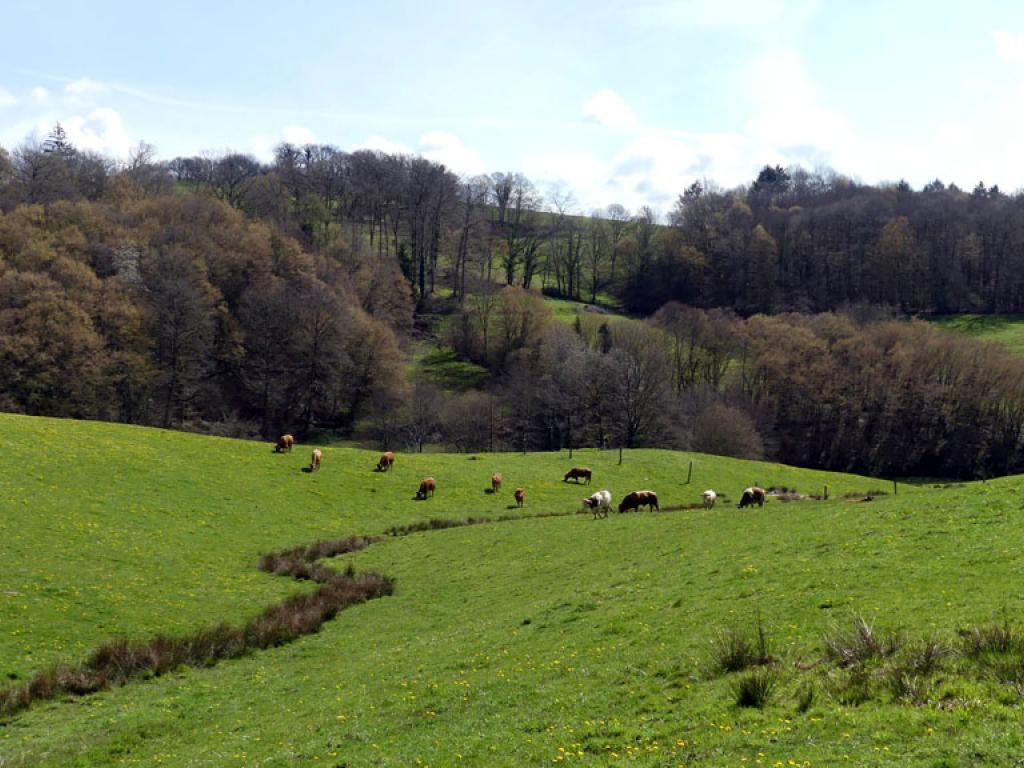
(599, 503)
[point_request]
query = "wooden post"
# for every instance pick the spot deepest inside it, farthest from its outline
(689, 472)
(620, 455)
(894, 491)
(826, 493)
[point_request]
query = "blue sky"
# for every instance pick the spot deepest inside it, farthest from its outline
(613, 101)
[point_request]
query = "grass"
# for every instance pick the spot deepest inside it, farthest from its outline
(566, 310)
(445, 370)
(554, 640)
(1006, 330)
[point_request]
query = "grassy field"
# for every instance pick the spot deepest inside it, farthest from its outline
(1007, 330)
(534, 641)
(566, 310)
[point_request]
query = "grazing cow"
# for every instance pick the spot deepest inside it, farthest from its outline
(638, 499)
(709, 499)
(600, 503)
(427, 486)
(520, 495)
(496, 482)
(576, 473)
(314, 462)
(386, 462)
(284, 444)
(751, 496)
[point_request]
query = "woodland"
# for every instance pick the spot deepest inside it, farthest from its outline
(776, 320)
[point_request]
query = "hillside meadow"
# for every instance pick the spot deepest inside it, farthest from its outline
(525, 642)
(1005, 330)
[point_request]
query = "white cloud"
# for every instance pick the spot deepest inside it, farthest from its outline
(607, 108)
(262, 145)
(7, 99)
(84, 87)
(582, 172)
(1009, 47)
(381, 144)
(448, 149)
(298, 134)
(38, 96)
(102, 130)
(787, 113)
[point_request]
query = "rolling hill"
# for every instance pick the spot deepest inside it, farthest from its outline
(549, 640)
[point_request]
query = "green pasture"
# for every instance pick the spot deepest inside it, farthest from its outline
(1007, 330)
(547, 641)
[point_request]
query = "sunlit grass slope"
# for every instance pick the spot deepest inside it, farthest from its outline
(1007, 330)
(539, 641)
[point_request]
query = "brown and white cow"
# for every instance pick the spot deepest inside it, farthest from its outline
(599, 503)
(386, 461)
(284, 444)
(520, 495)
(576, 473)
(496, 482)
(638, 499)
(751, 496)
(427, 486)
(315, 459)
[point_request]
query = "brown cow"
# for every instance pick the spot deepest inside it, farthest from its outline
(386, 462)
(427, 486)
(520, 496)
(496, 482)
(284, 444)
(638, 499)
(752, 496)
(314, 462)
(576, 473)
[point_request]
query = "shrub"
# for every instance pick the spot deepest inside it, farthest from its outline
(805, 698)
(755, 688)
(733, 650)
(993, 638)
(860, 645)
(908, 687)
(926, 658)
(727, 431)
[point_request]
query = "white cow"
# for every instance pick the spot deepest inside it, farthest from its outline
(709, 498)
(599, 503)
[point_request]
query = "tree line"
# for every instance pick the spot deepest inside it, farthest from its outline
(791, 240)
(226, 295)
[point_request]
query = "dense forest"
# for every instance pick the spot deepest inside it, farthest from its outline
(221, 294)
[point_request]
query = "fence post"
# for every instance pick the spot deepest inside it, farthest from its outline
(826, 493)
(620, 455)
(894, 491)
(689, 472)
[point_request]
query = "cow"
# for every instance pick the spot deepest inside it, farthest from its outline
(599, 503)
(638, 499)
(314, 462)
(709, 499)
(751, 496)
(386, 462)
(284, 444)
(576, 473)
(520, 495)
(427, 486)
(496, 482)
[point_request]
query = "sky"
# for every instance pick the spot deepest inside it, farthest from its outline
(613, 102)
